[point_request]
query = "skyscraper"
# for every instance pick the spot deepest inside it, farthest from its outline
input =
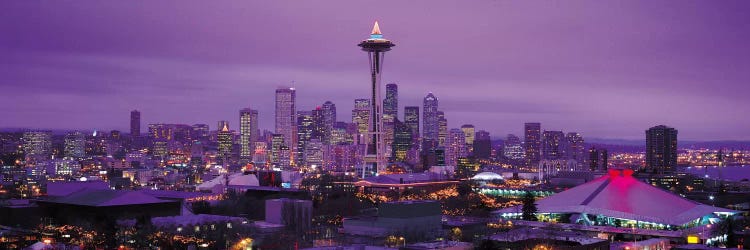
(532, 143)
(411, 119)
(574, 148)
(390, 103)
(135, 123)
(329, 120)
(305, 129)
(661, 148)
(402, 141)
(552, 145)
(469, 133)
(75, 145)
(361, 115)
(455, 147)
(482, 146)
(248, 134)
(286, 115)
(376, 46)
(442, 128)
(430, 120)
(225, 141)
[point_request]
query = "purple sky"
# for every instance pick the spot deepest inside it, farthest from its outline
(606, 69)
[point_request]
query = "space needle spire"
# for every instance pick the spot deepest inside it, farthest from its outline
(375, 46)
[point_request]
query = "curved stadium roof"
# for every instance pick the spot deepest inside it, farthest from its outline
(623, 196)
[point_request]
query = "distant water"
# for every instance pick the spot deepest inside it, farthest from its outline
(732, 173)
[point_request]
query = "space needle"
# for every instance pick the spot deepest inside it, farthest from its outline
(375, 46)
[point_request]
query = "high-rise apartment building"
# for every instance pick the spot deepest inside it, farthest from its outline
(661, 148)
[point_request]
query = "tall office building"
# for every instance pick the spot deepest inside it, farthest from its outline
(411, 119)
(430, 120)
(532, 143)
(221, 124)
(482, 146)
(37, 145)
(225, 142)
(402, 141)
(375, 46)
(248, 134)
(75, 145)
(390, 103)
(661, 148)
(513, 150)
(597, 159)
(305, 129)
(361, 115)
(135, 123)
(575, 148)
(553, 145)
(442, 128)
(286, 115)
(455, 147)
(469, 133)
(329, 120)
(318, 124)
(277, 145)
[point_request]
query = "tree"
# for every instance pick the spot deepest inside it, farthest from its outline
(529, 207)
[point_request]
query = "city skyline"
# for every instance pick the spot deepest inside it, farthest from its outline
(650, 64)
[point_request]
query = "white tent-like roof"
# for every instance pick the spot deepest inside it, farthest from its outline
(487, 176)
(620, 195)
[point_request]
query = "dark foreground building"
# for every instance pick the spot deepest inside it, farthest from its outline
(90, 206)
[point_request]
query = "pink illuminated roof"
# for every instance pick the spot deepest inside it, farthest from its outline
(618, 194)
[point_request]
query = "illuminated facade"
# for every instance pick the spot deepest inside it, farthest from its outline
(286, 115)
(661, 148)
(532, 143)
(329, 121)
(248, 133)
(361, 115)
(37, 145)
(75, 145)
(430, 125)
(552, 145)
(225, 141)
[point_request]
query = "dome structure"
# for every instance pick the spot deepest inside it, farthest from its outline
(487, 176)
